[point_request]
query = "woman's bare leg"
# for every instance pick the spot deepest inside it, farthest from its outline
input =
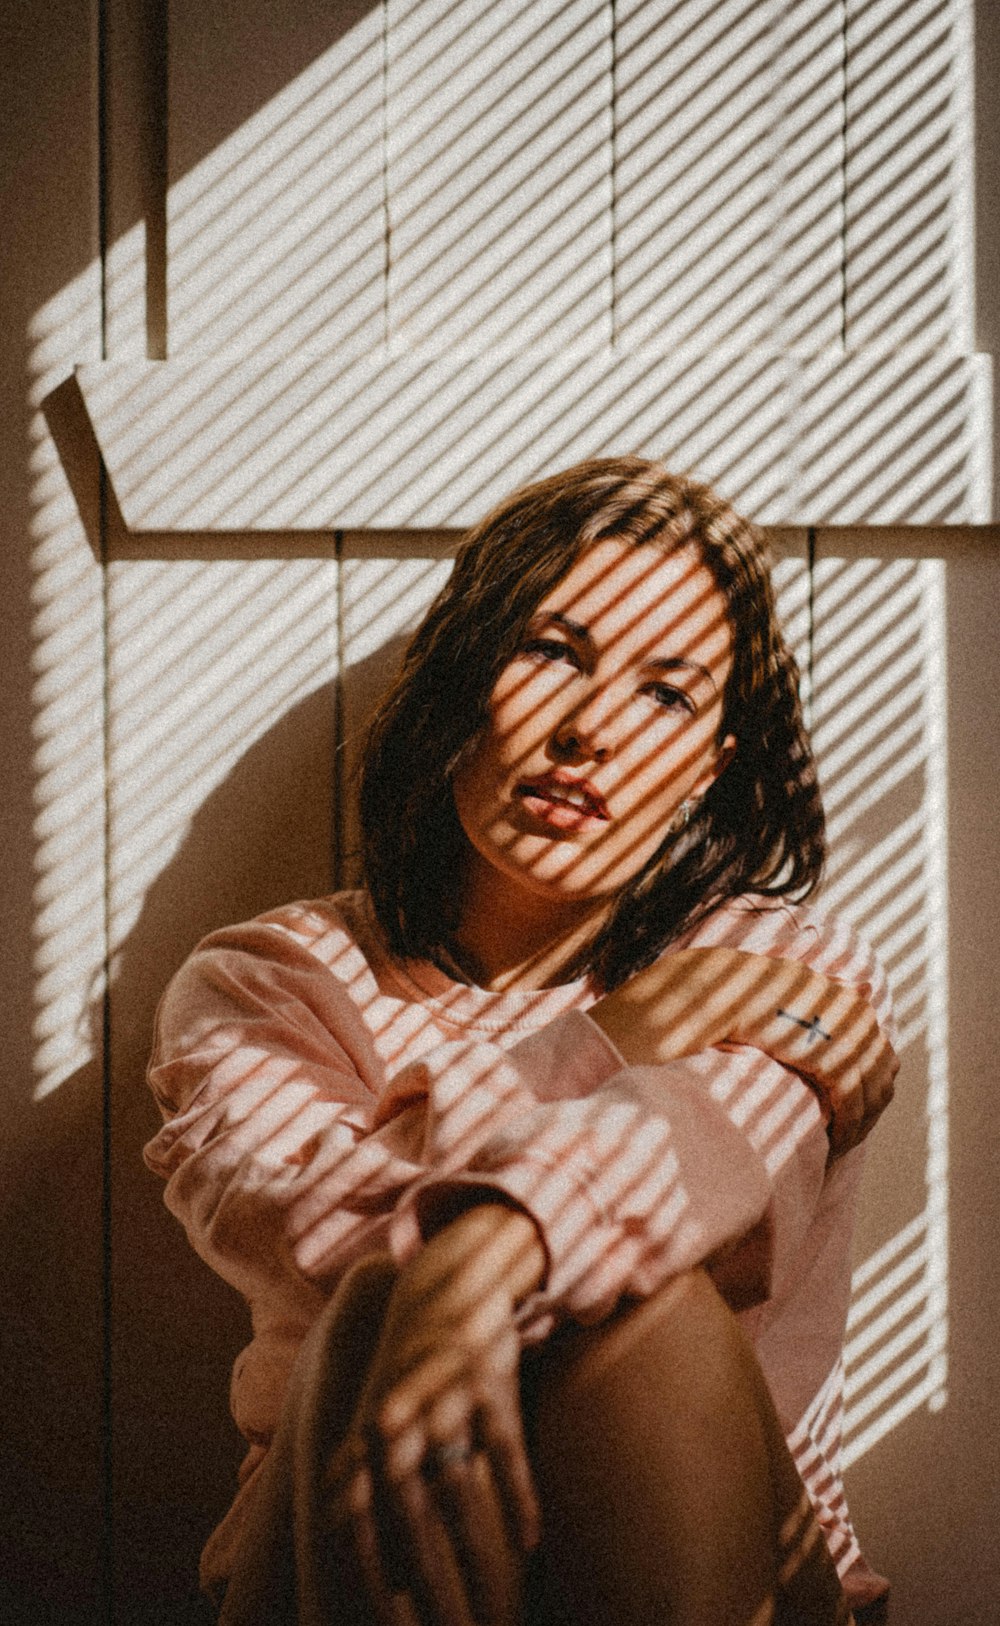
(664, 1477)
(290, 1569)
(667, 1488)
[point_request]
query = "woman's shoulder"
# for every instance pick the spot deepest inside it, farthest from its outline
(334, 930)
(343, 916)
(822, 939)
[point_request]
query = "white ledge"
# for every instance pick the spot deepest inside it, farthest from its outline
(430, 440)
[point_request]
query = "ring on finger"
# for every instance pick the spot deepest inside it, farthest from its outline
(445, 1456)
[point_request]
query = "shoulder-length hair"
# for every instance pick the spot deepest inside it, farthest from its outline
(760, 826)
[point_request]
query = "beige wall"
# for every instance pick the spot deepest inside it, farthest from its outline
(51, 1184)
(183, 693)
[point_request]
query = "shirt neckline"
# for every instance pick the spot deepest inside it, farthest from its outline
(460, 1003)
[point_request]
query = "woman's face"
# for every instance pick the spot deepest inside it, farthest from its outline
(601, 725)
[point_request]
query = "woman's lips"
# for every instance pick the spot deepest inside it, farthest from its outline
(563, 804)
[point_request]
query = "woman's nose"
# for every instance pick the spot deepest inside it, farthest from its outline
(592, 727)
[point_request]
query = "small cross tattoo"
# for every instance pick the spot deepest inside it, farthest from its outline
(812, 1028)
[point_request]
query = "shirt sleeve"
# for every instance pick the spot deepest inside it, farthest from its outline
(285, 1151)
(267, 1149)
(719, 1158)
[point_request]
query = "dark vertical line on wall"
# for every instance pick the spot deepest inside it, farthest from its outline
(157, 67)
(107, 1376)
(107, 1307)
(386, 217)
(339, 756)
(843, 180)
(101, 19)
(614, 171)
(811, 614)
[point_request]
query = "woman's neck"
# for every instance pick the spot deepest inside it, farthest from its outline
(511, 940)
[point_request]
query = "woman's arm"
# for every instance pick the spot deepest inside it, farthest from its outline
(624, 1179)
(268, 1100)
(431, 1492)
(698, 998)
(289, 1147)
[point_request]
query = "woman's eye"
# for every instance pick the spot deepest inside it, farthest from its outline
(665, 694)
(551, 649)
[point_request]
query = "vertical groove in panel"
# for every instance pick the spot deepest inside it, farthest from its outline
(846, 70)
(135, 178)
(810, 672)
(158, 67)
(107, 1118)
(107, 1127)
(132, 180)
(339, 757)
(386, 209)
(613, 279)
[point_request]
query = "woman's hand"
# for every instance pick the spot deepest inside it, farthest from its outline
(819, 1028)
(432, 1490)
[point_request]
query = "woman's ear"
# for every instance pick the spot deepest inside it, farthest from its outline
(723, 757)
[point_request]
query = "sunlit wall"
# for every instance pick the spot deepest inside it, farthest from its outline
(440, 250)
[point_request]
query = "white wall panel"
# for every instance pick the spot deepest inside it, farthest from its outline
(909, 239)
(220, 764)
(276, 235)
(498, 172)
(728, 173)
(893, 435)
(899, 671)
(880, 735)
(460, 246)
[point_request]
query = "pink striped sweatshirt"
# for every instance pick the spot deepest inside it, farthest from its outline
(323, 1100)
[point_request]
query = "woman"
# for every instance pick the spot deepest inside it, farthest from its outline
(573, 1089)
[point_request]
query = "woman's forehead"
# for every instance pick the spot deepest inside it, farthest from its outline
(618, 589)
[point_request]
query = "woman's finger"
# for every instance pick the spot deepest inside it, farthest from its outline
(502, 1436)
(352, 1519)
(858, 1100)
(412, 1520)
(846, 1102)
(473, 1514)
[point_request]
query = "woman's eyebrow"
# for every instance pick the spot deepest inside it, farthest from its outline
(576, 628)
(678, 663)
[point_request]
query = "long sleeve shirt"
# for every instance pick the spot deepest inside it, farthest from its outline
(323, 1100)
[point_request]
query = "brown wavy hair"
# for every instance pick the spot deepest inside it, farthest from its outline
(760, 826)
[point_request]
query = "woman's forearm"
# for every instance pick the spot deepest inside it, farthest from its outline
(490, 1253)
(694, 999)
(818, 1027)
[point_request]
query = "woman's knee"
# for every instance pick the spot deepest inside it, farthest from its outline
(664, 1474)
(681, 1336)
